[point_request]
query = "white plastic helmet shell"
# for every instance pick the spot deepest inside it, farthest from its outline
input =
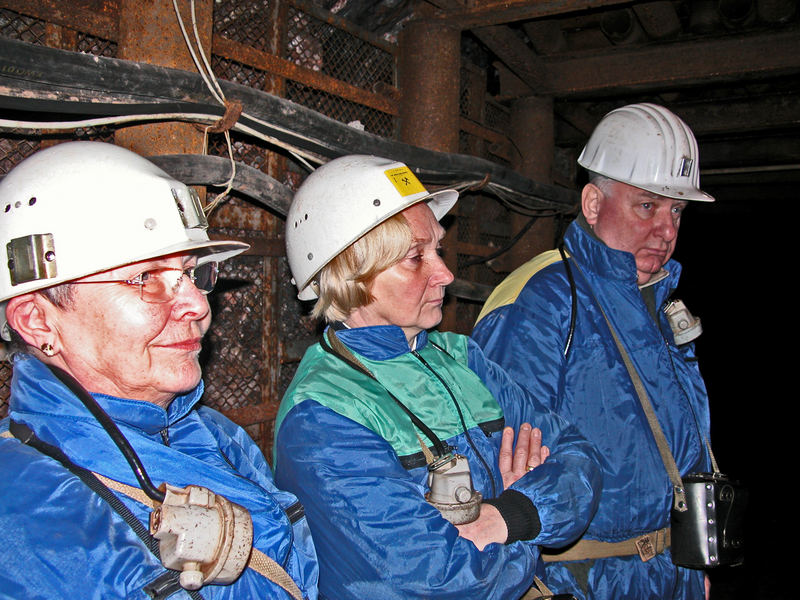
(648, 147)
(79, 208)
(341, 201)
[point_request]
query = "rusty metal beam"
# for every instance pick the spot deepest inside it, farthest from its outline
(252, 415)
(497, 12)
(272, 64)
(97, 17)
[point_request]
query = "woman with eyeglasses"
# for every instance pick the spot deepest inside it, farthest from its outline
(114, 481)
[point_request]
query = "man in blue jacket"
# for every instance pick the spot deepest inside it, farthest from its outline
(550, 325)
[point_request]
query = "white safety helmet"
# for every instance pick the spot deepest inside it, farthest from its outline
(80, 208)
(648, 147)
(340, 202)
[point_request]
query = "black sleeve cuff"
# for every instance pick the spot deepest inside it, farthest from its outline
(519, 513)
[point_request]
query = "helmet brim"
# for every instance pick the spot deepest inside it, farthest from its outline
(440, 203)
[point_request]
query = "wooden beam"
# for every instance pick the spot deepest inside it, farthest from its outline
(675, 65)
(679, 64)
(736, 115)
(512, 50)
(496, 12)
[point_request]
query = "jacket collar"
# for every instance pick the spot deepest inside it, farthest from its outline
(35, 390)
(380, 342)
(607, 263)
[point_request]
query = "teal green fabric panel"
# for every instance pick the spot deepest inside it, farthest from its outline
(333, 383)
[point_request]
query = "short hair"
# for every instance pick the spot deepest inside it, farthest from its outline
(61, 295)
(344, 283)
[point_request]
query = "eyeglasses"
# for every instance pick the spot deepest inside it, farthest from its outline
(157, 286)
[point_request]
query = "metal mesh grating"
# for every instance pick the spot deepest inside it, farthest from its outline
(320, 46)
(5, 383)
(297, 328)
(234, 375)
(465, 97)
(245, 152)
(248, 23)
(238, 72)
(14, 149)
(20, 27)
(89, 44)
(497, 117)
(333, 106)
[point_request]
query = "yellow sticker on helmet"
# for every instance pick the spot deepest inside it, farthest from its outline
(404, 181)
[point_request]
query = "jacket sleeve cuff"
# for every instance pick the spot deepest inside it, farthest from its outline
(519, 513)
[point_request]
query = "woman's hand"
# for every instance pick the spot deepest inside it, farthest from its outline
(488, 528)
(514, 462)
(528, 454)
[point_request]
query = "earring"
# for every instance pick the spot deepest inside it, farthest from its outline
(48, 349)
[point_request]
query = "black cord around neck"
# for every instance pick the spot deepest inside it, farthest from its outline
(442, 449)
(574, 295)
(113, 431)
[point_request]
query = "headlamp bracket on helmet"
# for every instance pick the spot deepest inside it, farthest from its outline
(190, 208)
(686, 167)
(31, 258)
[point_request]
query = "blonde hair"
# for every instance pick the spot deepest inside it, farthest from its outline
(345, 281)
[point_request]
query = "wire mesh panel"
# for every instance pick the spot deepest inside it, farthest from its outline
(13, 149)
(233, 375)
(90, 44)
(250, 23)
(238, 72)
(321, 46)
(234, 369)
(335, 107)
(20, 27)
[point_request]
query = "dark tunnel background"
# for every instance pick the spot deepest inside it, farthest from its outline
(736, 267)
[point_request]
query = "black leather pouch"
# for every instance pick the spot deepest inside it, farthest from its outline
(710, 532)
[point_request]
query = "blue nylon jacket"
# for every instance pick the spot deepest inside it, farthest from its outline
(61, 540)
(375, 534)
(525, 326)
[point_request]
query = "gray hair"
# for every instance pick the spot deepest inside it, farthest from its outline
(61, 296)
(603, 183)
